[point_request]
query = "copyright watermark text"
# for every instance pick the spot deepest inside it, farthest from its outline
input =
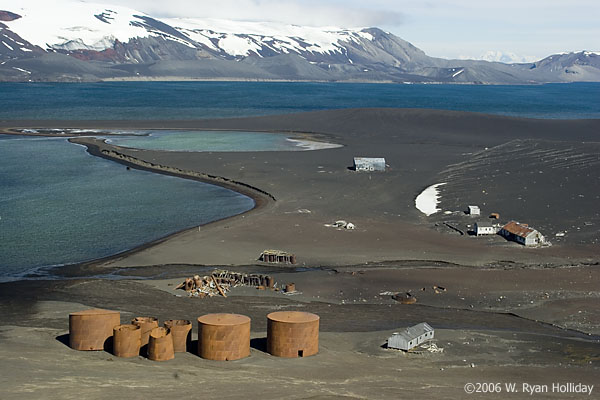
(529, 388)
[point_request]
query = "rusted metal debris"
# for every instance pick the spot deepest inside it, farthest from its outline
(438, 289)
(405, 298)
(219, 282)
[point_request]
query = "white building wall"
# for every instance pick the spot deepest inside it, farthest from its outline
(400, 342)
(485, 230)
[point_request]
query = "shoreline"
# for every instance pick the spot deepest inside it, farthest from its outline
(98, 148)
(94, 148)
(312, 125)
(261, 198)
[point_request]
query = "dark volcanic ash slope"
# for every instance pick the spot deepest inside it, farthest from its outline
(552, 186)
(542, 172)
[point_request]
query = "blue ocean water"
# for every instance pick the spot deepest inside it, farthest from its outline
(60, 205)
(192, 100)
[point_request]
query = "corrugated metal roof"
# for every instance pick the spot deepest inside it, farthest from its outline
(415, 331)
(484, 224)
(518, 229)
(369, 159)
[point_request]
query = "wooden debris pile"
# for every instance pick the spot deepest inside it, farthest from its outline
(219, 282)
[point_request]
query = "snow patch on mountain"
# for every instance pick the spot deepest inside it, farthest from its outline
(238, 46)
(73, 25)
(460, 71)
(239, 38)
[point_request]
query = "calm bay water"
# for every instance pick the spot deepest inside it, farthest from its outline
(191, 100)
(60, 205)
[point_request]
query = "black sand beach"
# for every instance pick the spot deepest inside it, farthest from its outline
(510, 312)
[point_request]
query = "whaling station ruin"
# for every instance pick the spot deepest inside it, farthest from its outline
(277, 257)
(522, 233)
(221, 337)
(367, 164)
(512, 231)
(411, 337)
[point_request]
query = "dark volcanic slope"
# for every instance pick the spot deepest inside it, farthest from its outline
(375, 124)
(552, 185)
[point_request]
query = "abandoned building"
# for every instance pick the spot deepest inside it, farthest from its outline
(411, 337)
(522, 233)
(485, 228)
(473, 210)
(362, 164)
(277, 257)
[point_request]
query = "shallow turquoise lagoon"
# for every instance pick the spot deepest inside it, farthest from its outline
(174, 140)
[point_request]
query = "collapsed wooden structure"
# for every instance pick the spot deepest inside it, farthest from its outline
(219, 282)
(277, 257)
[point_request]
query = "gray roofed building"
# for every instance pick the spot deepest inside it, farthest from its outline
(411, 337)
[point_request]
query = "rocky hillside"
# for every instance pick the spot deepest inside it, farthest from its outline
(67, 40)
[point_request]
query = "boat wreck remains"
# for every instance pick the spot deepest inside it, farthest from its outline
(277, 257)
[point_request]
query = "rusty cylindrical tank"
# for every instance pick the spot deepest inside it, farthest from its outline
(91, 329)
(270, 282)
(146, 324)
(181, 330)
(160, 345)
(290, 287)
(292, 334)
(223, 337)
(127, 340)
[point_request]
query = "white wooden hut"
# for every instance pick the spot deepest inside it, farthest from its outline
(369, 164)
(474, 210)
(411, 337)
(485, 228)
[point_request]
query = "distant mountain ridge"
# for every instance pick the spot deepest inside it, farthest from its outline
(68, 40)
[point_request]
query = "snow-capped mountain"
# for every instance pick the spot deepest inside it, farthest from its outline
(506, 57)
(77, 40)
(73, 25)
(69, 26)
